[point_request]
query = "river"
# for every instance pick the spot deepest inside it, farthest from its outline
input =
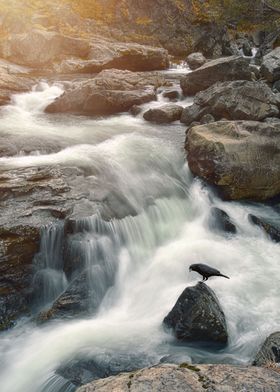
(144, 259)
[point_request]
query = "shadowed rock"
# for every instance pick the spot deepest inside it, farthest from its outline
(270, 230)
(198, 317)
(270, 68)
(219, 220)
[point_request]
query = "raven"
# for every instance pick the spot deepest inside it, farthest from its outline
(206, 271)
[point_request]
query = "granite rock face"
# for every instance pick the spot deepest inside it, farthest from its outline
(270, 68)
(189, 378)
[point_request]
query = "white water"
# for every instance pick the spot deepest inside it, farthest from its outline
(144, 165)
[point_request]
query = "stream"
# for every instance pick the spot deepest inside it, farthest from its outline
(137, 265)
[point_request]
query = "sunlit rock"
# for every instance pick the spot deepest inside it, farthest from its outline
(241, 157)
(164, 114)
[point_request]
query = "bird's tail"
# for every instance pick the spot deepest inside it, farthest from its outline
(224, 276)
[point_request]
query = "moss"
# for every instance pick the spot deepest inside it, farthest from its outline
(186, 365)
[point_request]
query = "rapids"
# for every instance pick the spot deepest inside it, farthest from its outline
(139, 264)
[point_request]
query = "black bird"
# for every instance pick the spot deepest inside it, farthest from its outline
(206, 271)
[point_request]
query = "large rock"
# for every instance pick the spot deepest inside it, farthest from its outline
(238, 100)
(270, 68)
(198, 317)
(195, 60)
(241, 157)
(164, 114)
(111, 91)
(220, 70)
(38, 48)
(190, 378)
(128, 56)
(269, 351)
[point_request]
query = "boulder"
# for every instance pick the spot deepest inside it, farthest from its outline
(270, 67)
(164, 114)
(220, 221)
(269, 351)
(197, 317)
(220, 70)
(111, 91)
(12, 83)
(171, 94)
(237, 100)
(38, 48)
(240, 157)
(127, 56)
(190, 378)
(196, 60)
(271, 231)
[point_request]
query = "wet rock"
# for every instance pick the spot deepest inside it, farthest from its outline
(240, 157)
(196, 60)
(195, 378)
(173, 95)
(38, 48)
(164, 114)
(197, 317)
(207, 119)
(127, 56)
(220, 70)
(238, 100)
(246, 48)
(270, 68)
(220, 221)
(271, 231)
(111, 91)
(269, 351)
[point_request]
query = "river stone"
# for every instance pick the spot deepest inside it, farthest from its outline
(270, 68)
(164, 114)
(220, 70)
(197, 316)
(127, 56)
(111, 91)
(171, 94)
(269, 351)
(237, 100)
(241, 157)
(190, 378)
(196, 60)
(271, 231)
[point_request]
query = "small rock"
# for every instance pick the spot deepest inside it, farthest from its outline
(164, 114)
(270, 68)
(196, 60)
(269, 351)
(173, 95)
(270, 230)
(220, 220)
(135, 110)
(207, 119)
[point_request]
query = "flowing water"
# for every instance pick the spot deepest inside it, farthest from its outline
(137, 266)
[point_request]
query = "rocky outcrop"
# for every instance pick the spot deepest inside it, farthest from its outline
(220, 70)
(269, 351)
(270, 230)
(164, 114)
(198, 317)
(240, 157)
(270, 68)
(38, 48)
(127, 56)
(185, 377)
(111, 91)
(238, 100)
(196, 60)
